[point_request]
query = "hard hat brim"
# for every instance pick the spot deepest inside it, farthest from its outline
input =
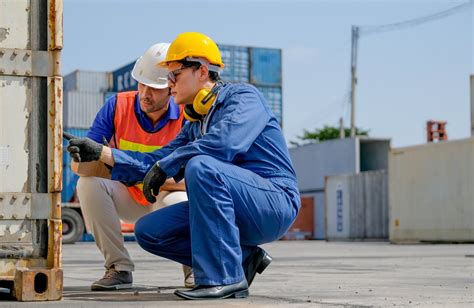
(153, 84)
(148, 82)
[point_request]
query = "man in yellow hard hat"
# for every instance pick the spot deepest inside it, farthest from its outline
(241, 184)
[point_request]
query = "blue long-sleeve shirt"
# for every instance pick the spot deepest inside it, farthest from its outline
(241, 129)
(103, 125)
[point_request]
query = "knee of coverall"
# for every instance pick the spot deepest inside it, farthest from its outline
(143, 236)
(150, 237)
(198, 168)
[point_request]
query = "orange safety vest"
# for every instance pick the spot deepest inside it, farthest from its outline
(129, 135)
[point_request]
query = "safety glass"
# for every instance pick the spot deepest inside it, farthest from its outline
(173, 74)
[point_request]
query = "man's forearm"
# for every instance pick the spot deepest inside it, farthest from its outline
(171, 185)
(107, 157)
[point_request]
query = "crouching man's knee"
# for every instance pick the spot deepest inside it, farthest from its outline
(200, 167)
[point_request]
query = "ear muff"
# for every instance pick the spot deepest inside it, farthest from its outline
(202, 103)
(191, 115)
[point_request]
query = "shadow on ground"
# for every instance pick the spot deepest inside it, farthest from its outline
(138, 293)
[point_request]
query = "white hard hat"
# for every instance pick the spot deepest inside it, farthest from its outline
(146, 70)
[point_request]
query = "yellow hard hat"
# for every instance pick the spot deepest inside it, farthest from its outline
(193, 45)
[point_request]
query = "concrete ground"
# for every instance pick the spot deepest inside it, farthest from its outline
(303, 273)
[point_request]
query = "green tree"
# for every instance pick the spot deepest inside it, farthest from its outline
(325, 133)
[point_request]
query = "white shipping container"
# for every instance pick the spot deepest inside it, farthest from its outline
(431, 192)
(80, 108)
(87, 81)
(357, 206)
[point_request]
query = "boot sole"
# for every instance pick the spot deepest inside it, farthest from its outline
(239, 294)
(99, 287)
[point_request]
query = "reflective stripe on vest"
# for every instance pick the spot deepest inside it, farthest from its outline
(129, 134)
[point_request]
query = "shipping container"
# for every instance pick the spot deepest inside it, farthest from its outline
(122, 79)
(237, 64)
(108, 95)
(31, 90)
(80, 108)
(303, 227)
(87, 81)
(357, 206)
(313, 162)
(431, 195)
(274, 98)
(265, 66)
(69, 177)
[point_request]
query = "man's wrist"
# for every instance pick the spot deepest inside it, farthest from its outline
(106, 156)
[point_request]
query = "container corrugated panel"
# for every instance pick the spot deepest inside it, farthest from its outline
(80, 108)
(357, 206)
(237, 64)
(69, 178)
(431, 192)
(87, 81)
(273, 96)
(265, 67)
(122, 79)
(70, 82)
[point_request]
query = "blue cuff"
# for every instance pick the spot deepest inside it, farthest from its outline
(168, 166)
(126, 167)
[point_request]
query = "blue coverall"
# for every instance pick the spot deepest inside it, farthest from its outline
(240, 182)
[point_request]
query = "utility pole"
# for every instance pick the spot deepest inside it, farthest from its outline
(472, 105)
(342, 131)
(355, 43)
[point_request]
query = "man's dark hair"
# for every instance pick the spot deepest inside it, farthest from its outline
(214, 76)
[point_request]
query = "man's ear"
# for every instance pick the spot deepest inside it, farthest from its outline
(203, 72)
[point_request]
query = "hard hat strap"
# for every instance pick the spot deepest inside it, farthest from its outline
(211, 67)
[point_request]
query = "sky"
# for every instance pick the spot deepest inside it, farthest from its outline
(405, 77)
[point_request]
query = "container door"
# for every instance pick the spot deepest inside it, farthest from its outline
(30, 148)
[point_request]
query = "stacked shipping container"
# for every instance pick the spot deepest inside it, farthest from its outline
(260, 67)
(83, 98)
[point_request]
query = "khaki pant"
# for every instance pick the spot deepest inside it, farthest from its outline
(104, 202)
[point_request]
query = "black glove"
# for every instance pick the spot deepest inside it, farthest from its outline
(180, 175)
(83, 149)
(154, 179)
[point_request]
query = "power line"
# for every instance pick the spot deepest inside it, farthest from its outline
(357, 31)
(367, 30)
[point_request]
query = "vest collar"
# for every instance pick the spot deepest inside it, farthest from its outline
(172, 113)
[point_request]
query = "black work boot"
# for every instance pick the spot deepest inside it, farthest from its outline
(236, 290)
(255, 263)
(113, 280)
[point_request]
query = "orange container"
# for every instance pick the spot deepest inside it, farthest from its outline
(303, 227)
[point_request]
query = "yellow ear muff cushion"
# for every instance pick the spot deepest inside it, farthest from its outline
(188, 117)
(199, 106)
(191, 115)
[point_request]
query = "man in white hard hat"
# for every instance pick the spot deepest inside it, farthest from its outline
(143, 120)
